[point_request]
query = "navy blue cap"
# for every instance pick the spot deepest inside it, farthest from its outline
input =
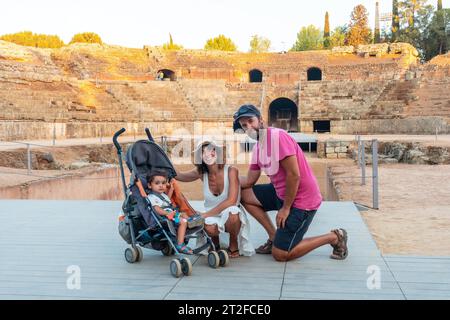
(246, 110)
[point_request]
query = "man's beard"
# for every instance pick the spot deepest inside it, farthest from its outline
(254, 134)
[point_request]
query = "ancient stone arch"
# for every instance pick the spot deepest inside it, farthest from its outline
(168, 74)
(314, 74)
(255, 75)
(283, 113)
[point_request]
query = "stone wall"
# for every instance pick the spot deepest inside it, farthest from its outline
(404, 152)
(37, 130)
(333, 149)
(89, 90)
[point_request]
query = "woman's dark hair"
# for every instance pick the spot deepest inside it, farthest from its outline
(221, 158)
(156, 173)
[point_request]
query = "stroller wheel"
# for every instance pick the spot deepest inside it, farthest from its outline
(224, 258)
(167, 250)
(175, 268)
(131, 255)
(186, 266)
(140, 254)
(213, 259)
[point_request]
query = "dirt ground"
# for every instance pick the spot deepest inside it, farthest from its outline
(414, 206)
(13, 176)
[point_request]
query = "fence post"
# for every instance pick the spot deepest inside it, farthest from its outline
(359, 151)
(164, 143)
(363, 164)
(54, 133)
(375, 173)
(29, 158)
(101, 134)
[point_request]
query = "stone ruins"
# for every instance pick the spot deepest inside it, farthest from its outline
(87, 90)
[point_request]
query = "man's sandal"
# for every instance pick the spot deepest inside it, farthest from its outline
(265, 248)
(340, 250)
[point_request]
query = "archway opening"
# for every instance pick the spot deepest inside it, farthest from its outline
(255, 75)
(283, 113)
(166, 75)
(314, 74)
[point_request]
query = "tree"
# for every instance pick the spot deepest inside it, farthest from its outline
(338, 36)
(86, 37)
(30, 39)
(220, 43)
(259, 44)
(171, 45)
(441, 27)
(326, 31)
(359, 31)
(395, 21)
(309, 38)
(437, 34)
(418, 24)
(410, 10)
(415, 17)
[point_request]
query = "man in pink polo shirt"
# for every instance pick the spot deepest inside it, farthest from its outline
(293, 191)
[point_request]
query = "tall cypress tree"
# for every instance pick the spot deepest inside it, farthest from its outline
(395, 20)
(377, 24)
(442, 34)
(326, 31)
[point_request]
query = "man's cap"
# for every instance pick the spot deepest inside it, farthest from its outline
(246, 110)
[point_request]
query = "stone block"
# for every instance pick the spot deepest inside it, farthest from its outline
(372, 49)
(332, 143)
(343, 50)
(332, 156)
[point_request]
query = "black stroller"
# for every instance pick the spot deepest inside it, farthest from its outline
(140, 226)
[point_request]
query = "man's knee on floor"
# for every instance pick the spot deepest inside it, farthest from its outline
(280, 255)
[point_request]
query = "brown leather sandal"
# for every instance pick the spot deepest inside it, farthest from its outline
(233, 254)
(340, 250)
(265, 248)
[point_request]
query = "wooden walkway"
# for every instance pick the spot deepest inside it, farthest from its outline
(40, 240)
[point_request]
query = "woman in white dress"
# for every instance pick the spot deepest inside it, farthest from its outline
(221, 191)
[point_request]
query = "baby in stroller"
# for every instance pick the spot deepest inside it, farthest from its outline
(145, 209)
(159, 197)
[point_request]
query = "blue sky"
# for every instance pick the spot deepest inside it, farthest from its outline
(134, 23)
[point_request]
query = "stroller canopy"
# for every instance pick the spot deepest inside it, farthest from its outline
(144, 156)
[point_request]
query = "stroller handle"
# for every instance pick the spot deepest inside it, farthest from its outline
(149, 135)
(116, 135)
